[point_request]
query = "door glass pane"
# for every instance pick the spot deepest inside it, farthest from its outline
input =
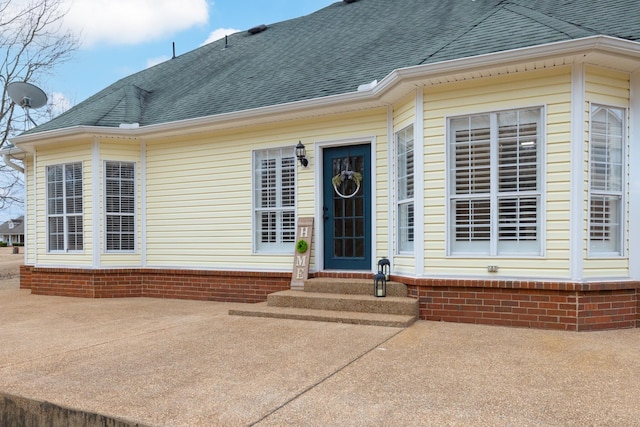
(348, 206)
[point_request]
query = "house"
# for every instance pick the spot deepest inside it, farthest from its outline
(12, 231)
(488, 149)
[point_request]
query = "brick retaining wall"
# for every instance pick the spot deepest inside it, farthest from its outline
(543, 305)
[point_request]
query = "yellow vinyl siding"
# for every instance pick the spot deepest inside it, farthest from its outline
(550, 89)
(56, 155)
(404, 114)
(609, 88)
(199, 191)
(121, 151)
(30, 220)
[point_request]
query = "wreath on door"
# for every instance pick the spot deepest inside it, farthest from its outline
(343, 176)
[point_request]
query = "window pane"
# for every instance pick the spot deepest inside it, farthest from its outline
(518, 151)
(606, 179)
(472, 220)
(472, 155)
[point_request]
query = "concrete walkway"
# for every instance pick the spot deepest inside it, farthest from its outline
(188, 363)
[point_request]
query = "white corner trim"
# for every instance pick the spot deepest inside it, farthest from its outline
(634, 178)
(96, 180)
(392, 239)
(418, 197)
(576, 223)
(143, 203)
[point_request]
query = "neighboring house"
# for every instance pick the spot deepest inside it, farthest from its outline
(489, 149)
(12, 231)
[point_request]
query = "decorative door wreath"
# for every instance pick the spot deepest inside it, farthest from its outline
(337, 181)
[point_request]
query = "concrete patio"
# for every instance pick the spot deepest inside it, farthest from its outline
(188, 363)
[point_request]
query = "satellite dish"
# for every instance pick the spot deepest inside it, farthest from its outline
(27, 96)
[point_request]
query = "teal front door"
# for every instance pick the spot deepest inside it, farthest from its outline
(347, 207)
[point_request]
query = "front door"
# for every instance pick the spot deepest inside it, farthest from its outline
(347, 207)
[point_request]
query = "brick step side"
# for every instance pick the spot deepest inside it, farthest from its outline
(355, 318)
(351, 286)
(344, 302)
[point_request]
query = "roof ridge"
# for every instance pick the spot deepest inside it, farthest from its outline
(571, 30)
(466, 30)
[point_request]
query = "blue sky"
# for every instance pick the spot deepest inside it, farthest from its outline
(121, 37)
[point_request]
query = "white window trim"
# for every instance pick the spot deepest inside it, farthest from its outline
(591, 254)
(281, 248)
(64, 215)
(397, 201)
(106, 214)
(541, 215)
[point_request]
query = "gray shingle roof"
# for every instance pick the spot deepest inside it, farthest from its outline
(337, 48)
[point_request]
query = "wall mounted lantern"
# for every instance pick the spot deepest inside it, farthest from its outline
(301, 154)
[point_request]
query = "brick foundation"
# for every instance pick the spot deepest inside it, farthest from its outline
(542, 305)
(223, 286)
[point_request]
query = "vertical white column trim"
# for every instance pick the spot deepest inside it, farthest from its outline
(35, 210)
(576, 223)
(96, 181)
(143, 203)
(634, 177)
(391, 234)
(418, 184)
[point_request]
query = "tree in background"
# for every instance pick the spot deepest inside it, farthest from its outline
(32, 44)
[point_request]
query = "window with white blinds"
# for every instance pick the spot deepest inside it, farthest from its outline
(404, 190)
(606, 180)
(494, 183)
(119, 206)
(64, 208)
(274, 199)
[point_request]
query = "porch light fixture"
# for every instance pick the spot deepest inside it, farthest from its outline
(301, 154)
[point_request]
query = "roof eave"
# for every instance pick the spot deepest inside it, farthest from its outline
(391, 88)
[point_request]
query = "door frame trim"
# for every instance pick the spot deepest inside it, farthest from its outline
(319, 147)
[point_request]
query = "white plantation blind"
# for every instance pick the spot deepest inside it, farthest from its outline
(274, 199)
(606, 180)
(120, 206)
(64, 207)
(405, 189)
(494, 183)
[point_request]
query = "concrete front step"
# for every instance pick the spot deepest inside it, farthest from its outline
(331, 285)
(344, 302)
(356, 318)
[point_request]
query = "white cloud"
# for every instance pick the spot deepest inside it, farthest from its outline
(58, 104)
(133, 21)
(218, 34)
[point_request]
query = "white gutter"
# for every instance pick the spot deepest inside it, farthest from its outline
(6, 156)
(369, 98)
